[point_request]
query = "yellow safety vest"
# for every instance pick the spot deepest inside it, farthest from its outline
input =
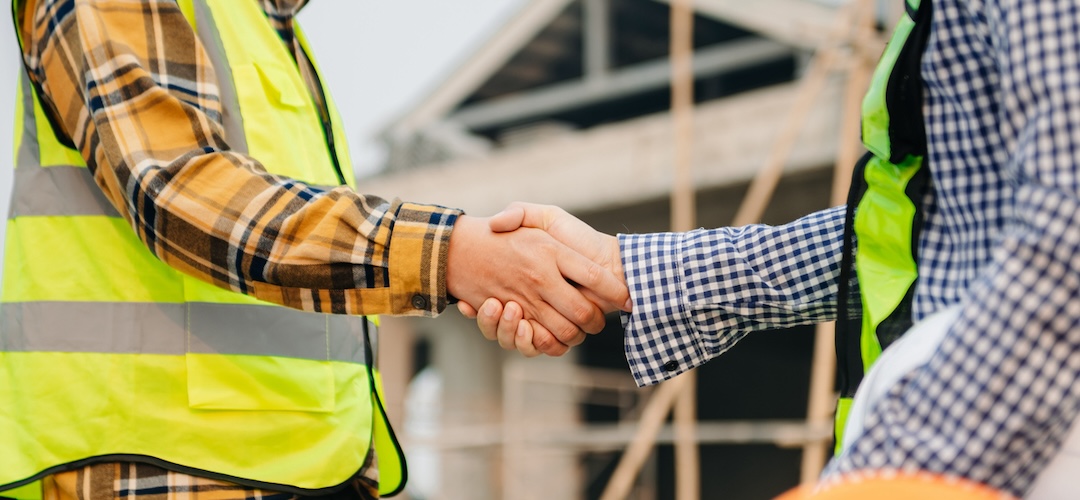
(107, 354)
(884, 212)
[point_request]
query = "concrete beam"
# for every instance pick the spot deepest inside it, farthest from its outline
(625, 163)
(801, 23)
(597, 38)
(628, 81)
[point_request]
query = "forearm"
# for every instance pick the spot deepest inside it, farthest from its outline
(695, 294)
(150, 131)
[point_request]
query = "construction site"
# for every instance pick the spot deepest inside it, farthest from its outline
(635, 116)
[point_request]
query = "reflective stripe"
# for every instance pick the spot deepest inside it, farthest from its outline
(232, 120)
(176, 329)
(60, 190)
(28, 153)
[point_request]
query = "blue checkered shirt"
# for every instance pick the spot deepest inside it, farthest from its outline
(1001, 236)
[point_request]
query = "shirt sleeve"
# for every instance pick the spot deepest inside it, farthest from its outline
(996, 400)
(697, 293)
(132, 87)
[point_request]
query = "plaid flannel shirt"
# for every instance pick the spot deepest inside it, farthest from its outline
(134, 89)
(136, 93)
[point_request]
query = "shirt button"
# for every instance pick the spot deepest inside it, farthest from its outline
(671, 366)
(419, 301)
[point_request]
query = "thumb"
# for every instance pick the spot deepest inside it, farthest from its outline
(466, 310)
(507, 220)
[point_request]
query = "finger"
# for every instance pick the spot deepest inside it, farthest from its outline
(508, 324)
(538, 216)
(546, 342)
(523, 339)
(597, 300)
(488, 319)
(611, 290)
(466, 310)
(507, 220)
(568, 302)
(574, 316)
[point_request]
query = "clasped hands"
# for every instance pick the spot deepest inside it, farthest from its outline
(536, 278)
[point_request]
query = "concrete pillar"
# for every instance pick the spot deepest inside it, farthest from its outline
(471, 371)
(537, 405)
(481, 456)
(396, 340)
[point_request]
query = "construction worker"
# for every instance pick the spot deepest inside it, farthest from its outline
(972, 185)
(182, 175)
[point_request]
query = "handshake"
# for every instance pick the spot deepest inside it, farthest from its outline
(536, 278)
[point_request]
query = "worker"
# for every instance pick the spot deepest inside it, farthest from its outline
(969, 198)
(182, 175)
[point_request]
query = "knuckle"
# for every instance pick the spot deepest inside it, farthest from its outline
(567, 334)
(545, 344)
(595, 273)
(533, 276)
(585, 314)
(577, 340)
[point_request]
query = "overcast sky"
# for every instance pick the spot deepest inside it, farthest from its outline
(379, 56)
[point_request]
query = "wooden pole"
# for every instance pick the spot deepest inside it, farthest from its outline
(687, 463)
(821, 399)
(682, 390)
(682, 111)
(652, 419)
(764, 183)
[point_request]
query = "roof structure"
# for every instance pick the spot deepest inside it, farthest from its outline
(574, 64)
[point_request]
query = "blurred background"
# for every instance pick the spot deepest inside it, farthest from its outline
(478, 103)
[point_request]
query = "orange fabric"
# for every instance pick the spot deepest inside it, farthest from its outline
(880, 486)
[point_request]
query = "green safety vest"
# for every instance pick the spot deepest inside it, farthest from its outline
(107, 354)
(884, 212)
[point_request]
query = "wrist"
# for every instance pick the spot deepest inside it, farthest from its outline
(458, 250)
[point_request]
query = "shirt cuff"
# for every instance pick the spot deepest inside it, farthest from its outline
(660, 339)
(418, 249)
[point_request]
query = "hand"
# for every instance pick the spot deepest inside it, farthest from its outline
(506, 325)
(530, 268)
(572, 232)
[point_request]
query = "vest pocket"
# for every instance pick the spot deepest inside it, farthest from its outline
(281, 123)
(257, 357)
(245, 382)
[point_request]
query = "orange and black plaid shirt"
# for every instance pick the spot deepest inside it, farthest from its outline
(136, 94)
